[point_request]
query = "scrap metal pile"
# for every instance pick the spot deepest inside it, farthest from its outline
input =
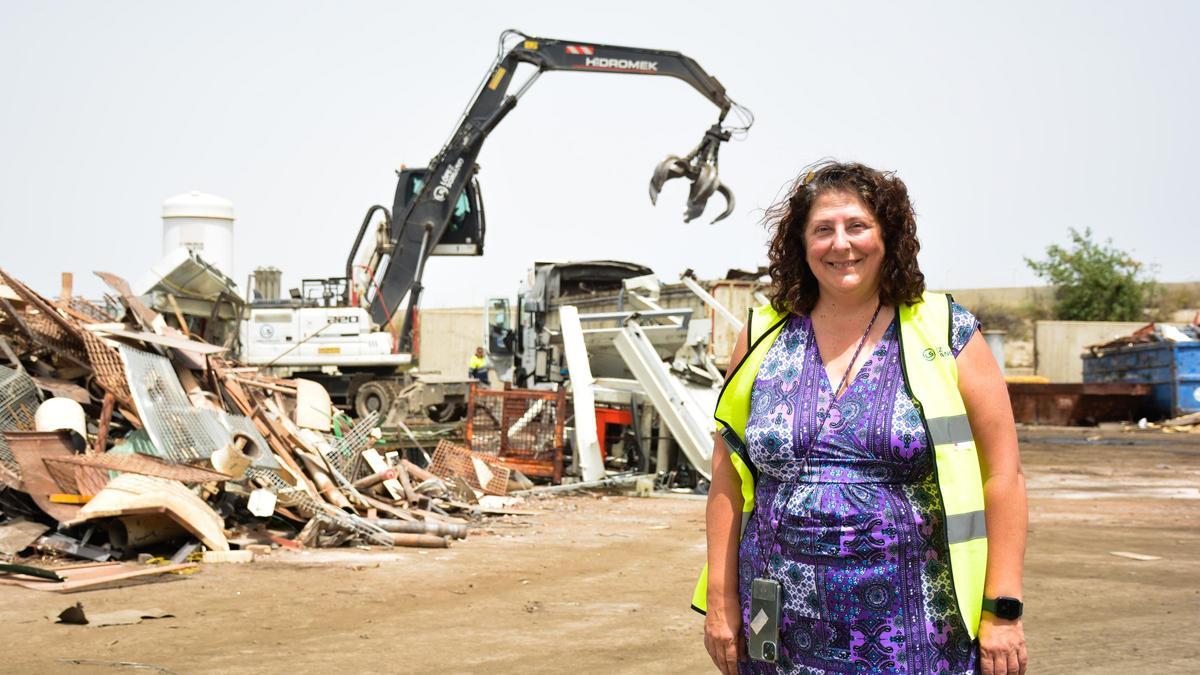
(123, 434)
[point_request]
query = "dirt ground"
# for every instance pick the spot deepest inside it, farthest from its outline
(602, 583)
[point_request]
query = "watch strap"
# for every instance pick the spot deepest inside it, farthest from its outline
(992, 605)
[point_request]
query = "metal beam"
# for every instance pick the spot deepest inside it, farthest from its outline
(588, 451)
(689, 424)
(690, 281)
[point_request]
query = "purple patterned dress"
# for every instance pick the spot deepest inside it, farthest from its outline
(855, 535)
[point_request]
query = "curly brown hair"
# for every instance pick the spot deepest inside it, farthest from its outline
(794, 288)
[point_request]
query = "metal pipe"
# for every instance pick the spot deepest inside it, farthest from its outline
(454, 530)
(662, 462)
(419, 540)
(683, 314)
(611, 481)
(374, 479)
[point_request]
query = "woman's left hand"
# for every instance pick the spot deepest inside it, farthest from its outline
(1001, 646)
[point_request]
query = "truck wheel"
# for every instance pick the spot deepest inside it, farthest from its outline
(373, 397)
(450, 411)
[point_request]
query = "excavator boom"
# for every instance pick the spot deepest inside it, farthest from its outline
(419, 222)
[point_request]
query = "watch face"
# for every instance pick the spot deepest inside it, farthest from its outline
(1008, 608)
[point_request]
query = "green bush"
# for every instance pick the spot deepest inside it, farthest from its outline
(1094, 281)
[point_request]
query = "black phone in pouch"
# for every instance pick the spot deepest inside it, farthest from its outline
(765, 599)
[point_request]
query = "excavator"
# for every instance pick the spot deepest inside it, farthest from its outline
(341, 331)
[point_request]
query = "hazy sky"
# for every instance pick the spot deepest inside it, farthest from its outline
(1010, 122)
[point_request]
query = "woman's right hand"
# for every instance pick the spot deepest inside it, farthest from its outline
(723, 635)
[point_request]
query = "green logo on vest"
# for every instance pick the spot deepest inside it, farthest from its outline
(930, 354)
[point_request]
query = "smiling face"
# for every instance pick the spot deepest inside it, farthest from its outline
(843, 244)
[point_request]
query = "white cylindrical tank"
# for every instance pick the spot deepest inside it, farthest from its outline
(201, 223)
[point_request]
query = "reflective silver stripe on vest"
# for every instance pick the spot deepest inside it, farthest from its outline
(962, 527)
(954, 429)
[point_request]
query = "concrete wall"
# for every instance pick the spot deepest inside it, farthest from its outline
(1058, 345)
(1017, 297)
(449, 338)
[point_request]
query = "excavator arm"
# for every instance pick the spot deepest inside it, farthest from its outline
(419, 222)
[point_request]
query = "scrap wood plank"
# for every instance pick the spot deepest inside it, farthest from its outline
(149, 318)
(377, 463)
(42, 305)
(156, 339)
(106, 411)
(321, 470)
(89, 577)
(266, 426)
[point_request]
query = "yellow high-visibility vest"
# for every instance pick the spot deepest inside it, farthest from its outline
(477, 362)
(931, 376)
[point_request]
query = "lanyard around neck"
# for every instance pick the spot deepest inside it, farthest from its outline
(858, 350)
(774, 531)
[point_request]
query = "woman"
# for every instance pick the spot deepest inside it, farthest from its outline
(874, 425)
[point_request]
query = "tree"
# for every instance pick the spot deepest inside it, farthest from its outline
(1094, 281)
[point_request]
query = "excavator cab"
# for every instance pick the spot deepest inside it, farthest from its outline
(464, 234)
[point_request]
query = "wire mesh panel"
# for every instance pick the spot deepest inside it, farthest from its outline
(295, 497)
(108, 367)
(480, 471)
(18, 403)
(181, 431)
(521, 427)
(55, 337)
(345, 453)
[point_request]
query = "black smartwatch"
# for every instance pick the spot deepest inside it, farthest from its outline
(1004, 607)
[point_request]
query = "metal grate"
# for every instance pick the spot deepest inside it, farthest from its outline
(181, 431)
(480, 471)
(293, 497)
(244, 425)
(53, 336)
(108, 367)
(516, 424)
(18, 403)
(346, 452)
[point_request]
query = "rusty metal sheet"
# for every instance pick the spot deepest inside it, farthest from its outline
(31, 448)
(41, 304)
(108, 369)
(160, 340)
(146, 466)
(47, 326)
(88, 480)
(1077, 403)
(145, 316)
(50, 335)
(63, 389)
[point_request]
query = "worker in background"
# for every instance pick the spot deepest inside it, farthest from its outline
(477, 367)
